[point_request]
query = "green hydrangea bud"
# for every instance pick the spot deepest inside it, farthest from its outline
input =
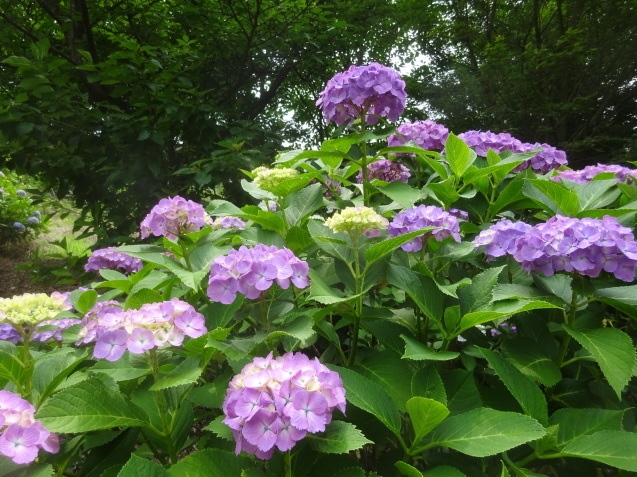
(31, 308)
(356, 219)
(268, 179)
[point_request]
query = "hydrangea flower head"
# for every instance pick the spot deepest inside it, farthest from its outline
(31, 308)
(275, 402)
(586, 246)
(427, 134)
(374, 89)
(109, 259)
(584, 176)
(172, 217)
(386, 170)
(544, 161)
(58, 326)
(499, 239)
(420, 217)
(154, 325)
(251, 271)
(21, 436)
(358, 219)
(269, 179)
(228, 222)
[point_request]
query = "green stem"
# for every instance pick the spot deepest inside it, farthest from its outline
(287, 464)
(281, 205)
(569, 319)
(358, 308)
(363, 148)
(163, 413)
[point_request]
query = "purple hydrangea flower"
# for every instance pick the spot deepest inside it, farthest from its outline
(274, 403)
(427, 134)
(541, 162)
(109, 259)
(154, 325)
(172, 217)
(60, 325)
(19, 227)
(374, 90)
(9, 333)
(424, 216)
(587, 246)
(499, 239)
(36, 213)
(21, 193)
(21, 436)
(386, 170)
(251, 271)
(229, 222)
(584, 176)
(32, 220)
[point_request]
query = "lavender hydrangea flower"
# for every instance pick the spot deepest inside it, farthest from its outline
(154, 325)
(499, 239)
(19, 226)
(251, 271)
(21, 436)
(386, 170)
(427, 134)
(420, 217)
(21, 193)
(586, 246)
(172, 217)
(228, 222)
(374, 90)
(584, 176)
(60, 325)
(9, 333)
(541, 162)
(109, 259)
(275, 402)
(32, 220)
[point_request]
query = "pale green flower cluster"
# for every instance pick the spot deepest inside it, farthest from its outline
(31, 308)
(356, 219)
(268, 179)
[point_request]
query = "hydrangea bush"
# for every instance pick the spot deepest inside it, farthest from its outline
(20, 218)
(405, 300)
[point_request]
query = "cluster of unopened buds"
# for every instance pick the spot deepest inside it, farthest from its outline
(110, 259)
(423, 216)
(21, 315)
(154, 325)
(275, 402)
(21, 436)
(251, 271)
(357, 220)
(386, 170)
(584, 176)
(172, 217)
(268, 179)
(374, 90)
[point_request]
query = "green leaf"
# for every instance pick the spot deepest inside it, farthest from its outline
(303, 203)
(385, 247)
(187, 372)
(479, 293)
(554, 196)
(388, 370)
(138, 466)
(615, 448)
(322, 292)
(426, 415)
(369, 396)
(402, 193)
(10, 365)
(612, 349)
(500, 309)
(407, 470)
(421, 289)
(339, 438)
(596, 194)
(458, 155)
(89, 406)
(83, 301)
(559, 285)
(574, 423)
(330, 242)
(53, 367)
(511, 194)
(427, 383)
(444, 471)
(526, 393)
(211, 463)
(141, 297)
(483, 432)
(421, 352)
(120, 370)
(626, 295)
(532, 361)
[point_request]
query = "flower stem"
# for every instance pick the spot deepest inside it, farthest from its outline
(163, 413)
(358, 307)
(287, 464)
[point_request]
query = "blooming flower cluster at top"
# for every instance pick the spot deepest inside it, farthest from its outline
(21, 436)
(427, 134)
(172, 217)
(30, 309)
(154, 325)
(109, 259)
(499, 239)
(229, 222)
(251, 271)
(584, 176)
(424, 216)
(374, 90)
(276, 402)
(586, 246)
(269, 179)
(541, 162)
(386, 170)
(357, 220)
